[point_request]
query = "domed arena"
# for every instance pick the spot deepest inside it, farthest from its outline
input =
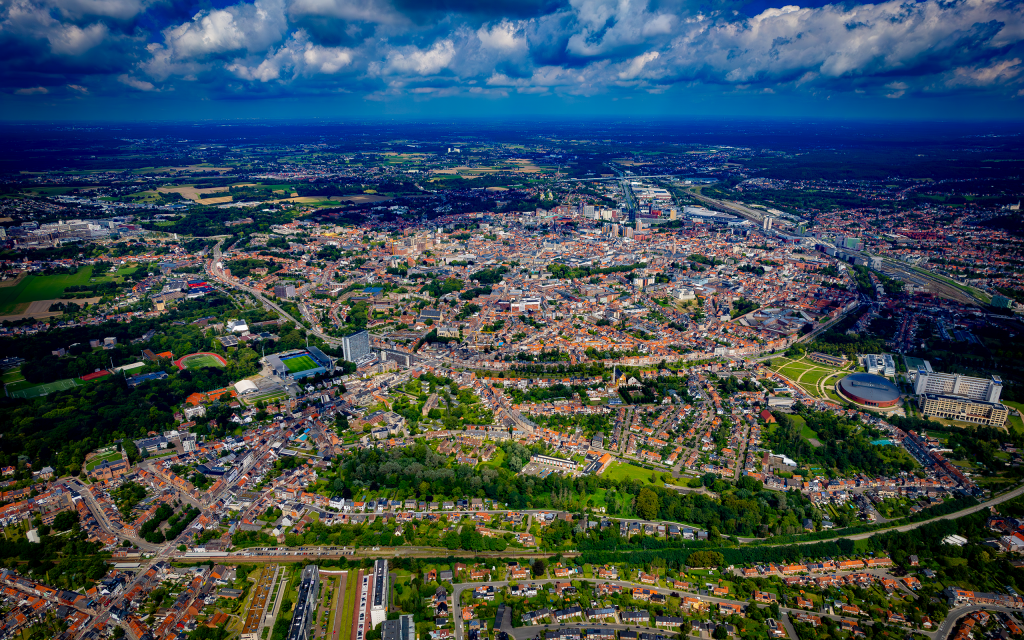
(869, 390)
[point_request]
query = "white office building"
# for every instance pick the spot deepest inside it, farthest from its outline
(379, 599)
(952, 384)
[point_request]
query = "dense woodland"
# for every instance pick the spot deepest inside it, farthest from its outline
(844, 445)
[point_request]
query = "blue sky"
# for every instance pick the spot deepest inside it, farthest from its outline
(158, 59)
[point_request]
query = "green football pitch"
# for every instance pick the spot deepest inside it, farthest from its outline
(18, 391)
(302, 363)
(198, 362)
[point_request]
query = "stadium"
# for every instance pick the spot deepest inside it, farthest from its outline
(869, 390)
(300, 363)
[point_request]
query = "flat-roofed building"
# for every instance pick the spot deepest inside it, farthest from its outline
(379, 599)
(305, 607)
(824, 358)
(949, 407)
(954, 384)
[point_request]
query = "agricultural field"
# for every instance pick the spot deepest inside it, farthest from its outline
(33, 288)
(301, 363)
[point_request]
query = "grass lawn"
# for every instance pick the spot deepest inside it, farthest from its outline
(98, 460)
(623, 471)
(301, 363)
(1014, 423)
(12, 376)
(495, 461)
(348, 602)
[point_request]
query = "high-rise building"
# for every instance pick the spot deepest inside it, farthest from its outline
(284, 290)
(984, 389)
(963, 398)
(379, 599)
(305, 606)
(356, 347)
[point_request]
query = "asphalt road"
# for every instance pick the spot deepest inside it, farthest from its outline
(948, 625)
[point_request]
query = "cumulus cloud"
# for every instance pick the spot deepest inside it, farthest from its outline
(423, 62)
(252, 27)
(298, 57)
(32, 91)
(503, 36)
(1000, 72)
(74, 41)
(78, 89)
(637, 64)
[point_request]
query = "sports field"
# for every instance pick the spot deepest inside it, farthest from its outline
(268, 397)
(200, 360)
(300, 363)
(26, 389)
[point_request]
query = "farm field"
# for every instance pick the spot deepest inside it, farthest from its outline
(302, 363)
(33, 288)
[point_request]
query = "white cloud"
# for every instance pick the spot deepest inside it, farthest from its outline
(637, 64)
(32, 91)
(606, 25)
(297, 57)
(412, 60)
(1001, 72)
(135, 83)
(78, 88)
(501, 37)
(898, 89)
(74, 41)
(252, 27)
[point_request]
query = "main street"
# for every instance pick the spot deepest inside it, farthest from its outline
(218, 273)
